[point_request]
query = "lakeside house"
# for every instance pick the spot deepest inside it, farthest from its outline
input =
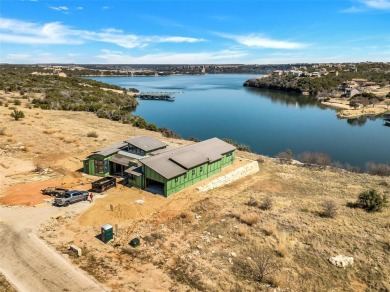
(147, 163)
(350, 92)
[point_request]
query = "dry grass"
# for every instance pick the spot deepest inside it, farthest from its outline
(242, 230)
(69, 139)
(249, 218)
(270, 229)
(50, 131)
(187, 216)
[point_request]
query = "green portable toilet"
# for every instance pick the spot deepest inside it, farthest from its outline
(107, 233)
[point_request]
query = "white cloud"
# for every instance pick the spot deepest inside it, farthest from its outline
(59, 8)
(225, 56)
(365, 5)
(260, 41)
(15, 31)
(105, 7)
(377, 4)
(352, 9)
(80, 8)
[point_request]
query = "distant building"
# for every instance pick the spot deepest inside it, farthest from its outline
(350, 92)
(359, 81)
(277, 73)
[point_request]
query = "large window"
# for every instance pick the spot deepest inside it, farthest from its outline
(99, 166)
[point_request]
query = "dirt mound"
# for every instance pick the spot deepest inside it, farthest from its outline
(30, 194)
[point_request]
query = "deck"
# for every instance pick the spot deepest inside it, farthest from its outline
(160, 95)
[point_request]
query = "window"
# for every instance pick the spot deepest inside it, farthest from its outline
(193, 172)
(99, 166)
(176, 179)
(201, 168)
(229, 154)
(185, 176)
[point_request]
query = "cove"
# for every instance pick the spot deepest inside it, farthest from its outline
(268, 121)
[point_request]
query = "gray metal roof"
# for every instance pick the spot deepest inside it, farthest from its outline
(131, 155)
(175, 162)
(121, 159)
(146, 143)
(111, 149)
(134, 170)
(189, 159)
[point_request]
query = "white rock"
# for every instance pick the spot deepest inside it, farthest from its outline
(233, 254)
(139, 202)
(341, 261)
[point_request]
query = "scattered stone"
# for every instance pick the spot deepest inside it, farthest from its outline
(46, 171)
(199, 247)
(220, 236)
(341, 261)
(75, 249)
(139, 202)
(198, 217)
(233, 254)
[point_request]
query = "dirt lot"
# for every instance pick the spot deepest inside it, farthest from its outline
(199, 241)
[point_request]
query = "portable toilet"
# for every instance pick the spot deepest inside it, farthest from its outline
(107, 233)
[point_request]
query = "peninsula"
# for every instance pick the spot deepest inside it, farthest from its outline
(357, 89)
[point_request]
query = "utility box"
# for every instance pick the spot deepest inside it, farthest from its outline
(107, 233)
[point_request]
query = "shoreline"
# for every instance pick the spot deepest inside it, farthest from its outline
(344, 111)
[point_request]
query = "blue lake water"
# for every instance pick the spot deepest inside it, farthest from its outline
(266, 120)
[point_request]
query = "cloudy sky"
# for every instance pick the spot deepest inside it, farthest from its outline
(196, 32)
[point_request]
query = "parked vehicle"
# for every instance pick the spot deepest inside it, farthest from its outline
(104, 184)
(70, 197)
(54, 191)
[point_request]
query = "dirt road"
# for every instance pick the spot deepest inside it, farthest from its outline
(27, 262)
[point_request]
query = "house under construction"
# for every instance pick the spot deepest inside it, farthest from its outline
(147, 163)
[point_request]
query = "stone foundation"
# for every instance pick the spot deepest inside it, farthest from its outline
(230, 177)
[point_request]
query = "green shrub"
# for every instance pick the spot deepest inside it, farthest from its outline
(372, 201)
(266, 203)
(17, 115)
(288, 154)
(17, 102)
(152, 127)
(168, 133)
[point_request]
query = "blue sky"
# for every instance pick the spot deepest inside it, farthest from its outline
(194, 32)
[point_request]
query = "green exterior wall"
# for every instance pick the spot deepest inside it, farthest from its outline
(136, 182)
(89, 165)
(192, 176)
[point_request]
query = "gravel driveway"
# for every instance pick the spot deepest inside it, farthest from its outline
(27, 262)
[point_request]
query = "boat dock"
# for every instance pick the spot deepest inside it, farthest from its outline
(386, 119)
(160, 95)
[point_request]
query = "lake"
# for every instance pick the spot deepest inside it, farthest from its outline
(268, 121)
